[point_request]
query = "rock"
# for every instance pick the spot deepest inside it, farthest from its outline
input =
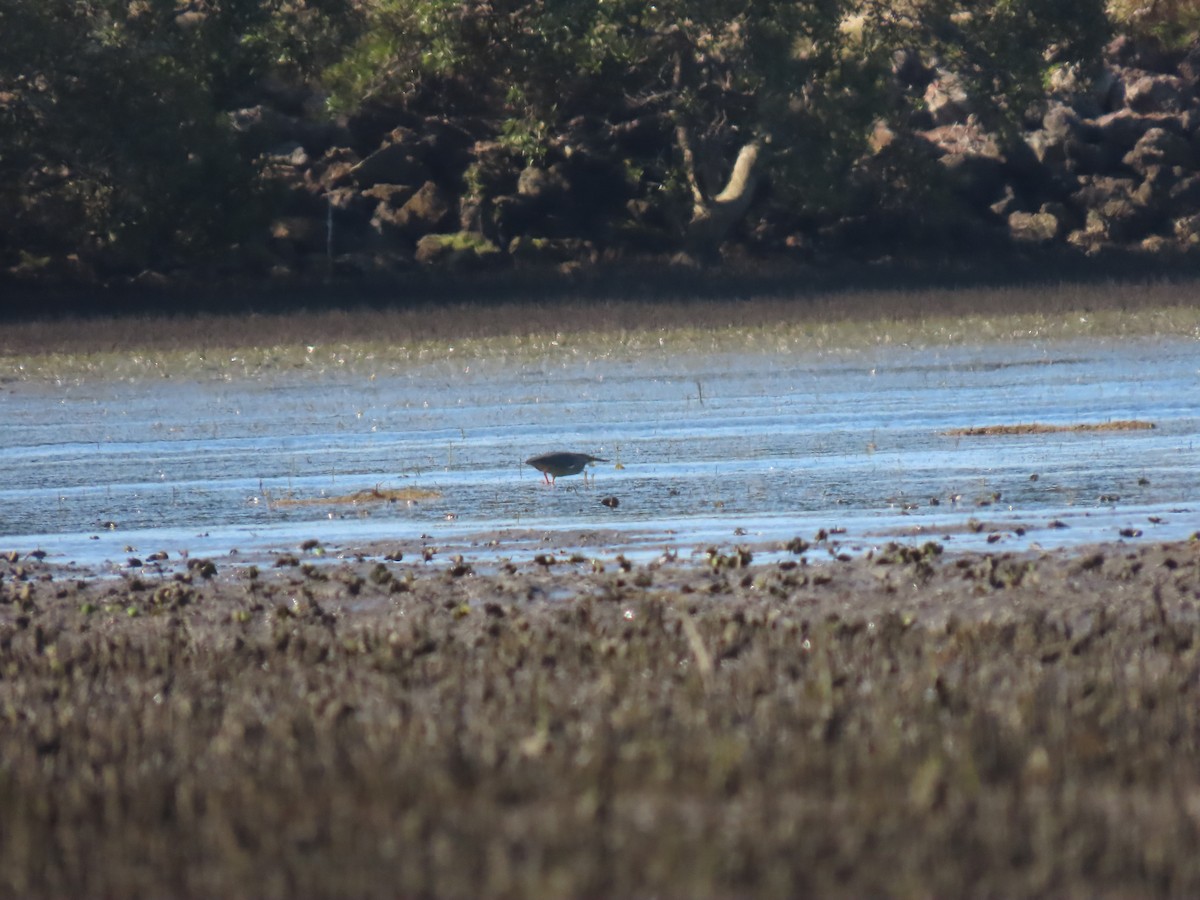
(1184, 195)
(445, 148)
(1008, 203)
(335, 168)
(1065, 140)
(375, 122)
(300, 233)
(1038, 227)
(541, 184)
(428, 210)
(1088, 95)
(1141, 53)
(1159, 147)
(1189, 67)
(1107, 91)
(1121, 220)
(910, 70)
(977, 179)
(1049, 150)
(1157, 245)
(1124, 128)
(494, 171)
(392, 164)
(1088, 241)
(1116, 209)
(543, 251)
(360, 263)
(882, 136)
(349, 202)
(290, 153)
(946, 99)
(1062, 123)
(392, 195)
(1156, 94)
(1187, 230)
(1100, 189)
(460, 251)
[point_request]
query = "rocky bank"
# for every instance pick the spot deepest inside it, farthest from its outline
(1108, 161)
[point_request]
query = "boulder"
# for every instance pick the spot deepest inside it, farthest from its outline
(1187, 231)
(1184, 195)
(1062, 123)
(1124, 128)
(977, 179)
(445, 148)
(261, 128)
(1157, 245)
(394, 163)
(910, 70)
(550, 251)
(393, 196)
(1008, 203)
(459, 252)
(1038, 227)
(299, 234)
(1121, 220)
(946, 99)
(359, 263)
(333, 170)
(428, 210)
(1157, 94)
(1117, 209)
(541, 184)
(1159, 147)
(1088, 241)
(1097, 190)
(1189, 67)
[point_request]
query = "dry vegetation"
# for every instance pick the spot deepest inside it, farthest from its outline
(911, 724)
(1044, 428)
(364, 497)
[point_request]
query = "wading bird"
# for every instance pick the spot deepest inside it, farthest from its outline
(556, 465)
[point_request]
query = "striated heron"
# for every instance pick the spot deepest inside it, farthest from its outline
(556, 465)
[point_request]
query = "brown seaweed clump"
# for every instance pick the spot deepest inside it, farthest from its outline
(907, 723)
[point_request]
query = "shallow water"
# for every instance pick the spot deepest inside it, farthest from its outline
(725, 449)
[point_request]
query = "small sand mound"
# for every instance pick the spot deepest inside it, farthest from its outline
(1042, 428)
(368, 495)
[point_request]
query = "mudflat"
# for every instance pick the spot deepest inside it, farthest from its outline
(905, 722)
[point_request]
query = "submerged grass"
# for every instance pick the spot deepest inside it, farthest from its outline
(908, 724)
(369, 341)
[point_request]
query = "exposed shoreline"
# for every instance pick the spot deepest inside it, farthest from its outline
(912, 722)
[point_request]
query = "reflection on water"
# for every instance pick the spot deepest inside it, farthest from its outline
(703, 448)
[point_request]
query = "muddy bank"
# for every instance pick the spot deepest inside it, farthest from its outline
(912, 722)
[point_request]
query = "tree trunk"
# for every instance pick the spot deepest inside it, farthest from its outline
(713, 218)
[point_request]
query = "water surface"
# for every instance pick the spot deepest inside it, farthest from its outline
(703, 449)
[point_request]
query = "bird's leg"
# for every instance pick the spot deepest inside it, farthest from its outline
(546, 478)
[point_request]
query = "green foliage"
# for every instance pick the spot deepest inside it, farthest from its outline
(1004, 50)
(113, 138)
(1174, 23)
(805, 76)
